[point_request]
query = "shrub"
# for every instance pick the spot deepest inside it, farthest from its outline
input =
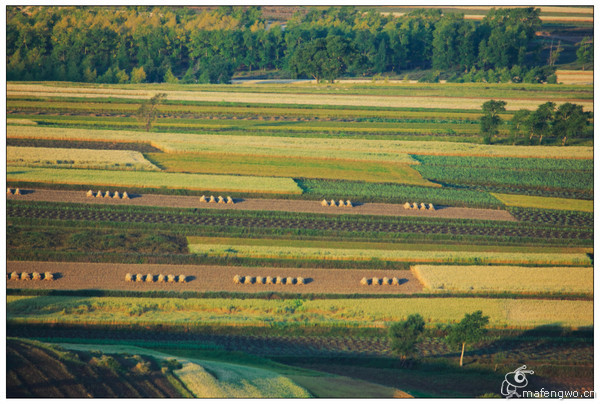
(237, 279)
(149, 278)
(128, 277)
(142, 367)
(36, 276)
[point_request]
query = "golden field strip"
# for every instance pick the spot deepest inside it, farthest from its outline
(38, 90)
(261, 312)
(541, 202)
(150, 179)
(291, 252)
(78, 158)
(513, 279)
(352, 149)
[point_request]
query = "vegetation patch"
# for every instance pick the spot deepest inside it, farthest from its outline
(540, 202)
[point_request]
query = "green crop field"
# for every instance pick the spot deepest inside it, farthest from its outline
(539, 202)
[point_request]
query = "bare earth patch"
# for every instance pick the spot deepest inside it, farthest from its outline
(201, 278)
(173, 201)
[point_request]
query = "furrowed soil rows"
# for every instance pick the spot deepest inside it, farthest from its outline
(197, 218)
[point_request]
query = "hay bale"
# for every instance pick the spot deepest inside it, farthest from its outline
(364, 281)
(415, 206)
(129, 277)
(171, 278)
(423, 206)
(385, 281)
(36, 276)
(116, 195)
(125, 196)
(248, 280)
(348, 203)
(395, 281)
(25, 276)
(89, 193)
(260, 280)
(139, 278)
(375, 281)
(17, 191)
(182, 278)
(289, 280)
(220, 199)
(431, 207)
(300, 281)
(99, 194)
(279, 280)
(8, 191)
(341, 203)
(203, 199)
(48, 276)
(149, 278)
(269, 280)
(332, 203)
(230, 200)
(324, 203)
(212, 199)
(407, 205)
(237, 279)
(160, 278)
(107, 194)
(14, 276)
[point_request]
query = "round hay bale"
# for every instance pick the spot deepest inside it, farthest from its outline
(89, 193)
(48, 276)
(300, 281)
(230, 200)
(279, 280)
(260, 280)
(431, 207)
(160, 278)
(407, 205)
(375, 281)
(332, 203)
(139, 278)
(25, 276)
(395, 281)
(237, 279)
(171, 278)
(324, 203)
(8, 191)
(125, 196)
(116, 195)
(385, 281)
(212, 199)
(364, 281)
(348, 203)
(14, 276)
(289, 280)
(149, 278)
(269, 280)
(248, 280)
(17, 191)
(182, 278)
(129, 277)
(107, 194)
(203, 199)
(36, 276)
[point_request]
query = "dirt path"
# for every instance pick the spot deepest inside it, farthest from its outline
(284, 205)
(201, 278)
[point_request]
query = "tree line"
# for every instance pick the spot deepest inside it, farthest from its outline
(170, 44)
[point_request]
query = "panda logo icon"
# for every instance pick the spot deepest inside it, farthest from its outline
(515, 380)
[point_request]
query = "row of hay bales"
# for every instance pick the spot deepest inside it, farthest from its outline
(340, 203)
(9, 191)
(268, 280)
(417, 206)
(156, 278)
(219, 199)
(34, 276)
(107, 194)
(380, 281)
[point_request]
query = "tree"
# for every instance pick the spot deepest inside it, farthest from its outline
(138, 75)
(321, 58)
(491, 120)
(519, 124)
(468, 331)
(585, 51)
(540, 123)
(147, 112)
(404, 335)
(569, 120)
(554, 54)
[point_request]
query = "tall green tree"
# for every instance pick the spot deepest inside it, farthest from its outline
(585, 51)
(519, 124)
(321, 58)
(491, 121)
(541, 120)
(469, 331)
(148, 111)
(404, 335)
(569, 120)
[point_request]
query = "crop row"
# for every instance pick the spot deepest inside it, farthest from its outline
(508, 163)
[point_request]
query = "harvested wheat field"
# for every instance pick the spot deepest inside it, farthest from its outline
(200, 278)
(280, 205)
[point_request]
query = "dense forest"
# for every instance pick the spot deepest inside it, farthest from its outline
(169, 44)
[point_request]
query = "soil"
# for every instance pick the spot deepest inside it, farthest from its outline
(173, 201)
(200, 278)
